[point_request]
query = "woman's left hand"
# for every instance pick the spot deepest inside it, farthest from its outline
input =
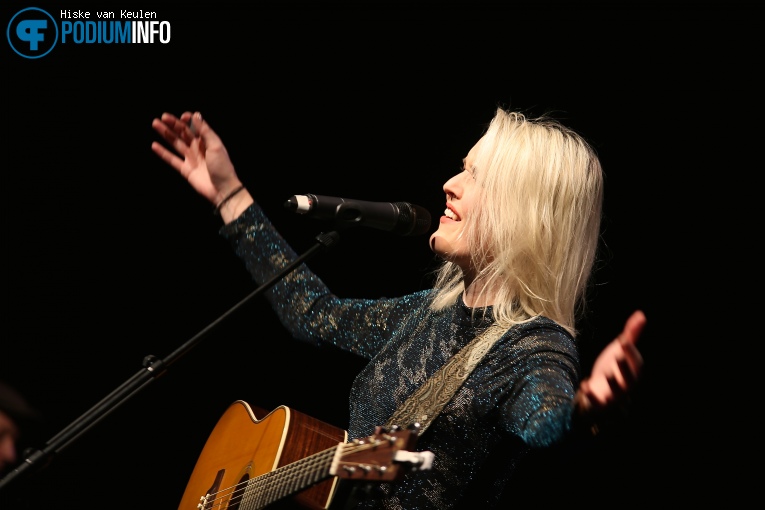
(616, 369)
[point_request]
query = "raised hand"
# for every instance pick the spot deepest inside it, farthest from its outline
(199, 154)
(616, 369)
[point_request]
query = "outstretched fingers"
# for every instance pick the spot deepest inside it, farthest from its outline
(631, 364)
(633, 327)
(172, 139)
(631, 361)
(167, 156)
(178, 134)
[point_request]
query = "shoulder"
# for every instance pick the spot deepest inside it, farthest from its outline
(540, 334)
(539, 325)
(416, 300)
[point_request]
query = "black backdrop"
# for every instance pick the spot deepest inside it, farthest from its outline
(110, 256)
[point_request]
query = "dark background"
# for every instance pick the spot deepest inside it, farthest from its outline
(109, 256)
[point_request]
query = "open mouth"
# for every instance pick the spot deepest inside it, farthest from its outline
(451, 214)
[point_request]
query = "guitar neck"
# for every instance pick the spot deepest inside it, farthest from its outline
(288, 480)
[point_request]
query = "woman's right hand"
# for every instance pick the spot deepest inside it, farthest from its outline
(201, 158)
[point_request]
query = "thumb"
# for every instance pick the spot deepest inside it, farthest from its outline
(197, 125)
(633, 328)
(208, 137)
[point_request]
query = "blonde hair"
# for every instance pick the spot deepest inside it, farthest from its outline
(535, 237)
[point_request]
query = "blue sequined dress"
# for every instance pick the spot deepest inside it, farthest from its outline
(519, 397)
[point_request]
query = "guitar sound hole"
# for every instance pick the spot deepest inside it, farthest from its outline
(239, 493)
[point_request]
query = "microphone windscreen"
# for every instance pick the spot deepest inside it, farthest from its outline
(414, 220)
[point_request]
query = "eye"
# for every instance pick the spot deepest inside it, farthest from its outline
(469, 169)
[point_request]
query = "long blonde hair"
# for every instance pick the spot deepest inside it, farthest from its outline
(535, 237)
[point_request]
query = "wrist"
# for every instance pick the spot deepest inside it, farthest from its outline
(224, 198)
(584, 417)
(233, 204)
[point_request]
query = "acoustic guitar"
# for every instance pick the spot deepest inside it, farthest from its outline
(291, 458)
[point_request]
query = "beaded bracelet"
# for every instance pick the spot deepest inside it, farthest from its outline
(216, 211)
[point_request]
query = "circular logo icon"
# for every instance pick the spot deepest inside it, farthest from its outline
(32, 33)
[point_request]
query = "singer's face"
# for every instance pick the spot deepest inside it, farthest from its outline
(461, 196)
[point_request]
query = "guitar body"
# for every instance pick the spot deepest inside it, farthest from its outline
(242, 447)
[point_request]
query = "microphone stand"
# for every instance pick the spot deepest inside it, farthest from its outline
(153, 367)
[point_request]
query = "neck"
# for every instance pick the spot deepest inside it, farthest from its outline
(478, 295)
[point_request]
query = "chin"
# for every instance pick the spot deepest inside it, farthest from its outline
(440, 246)
(432, 243)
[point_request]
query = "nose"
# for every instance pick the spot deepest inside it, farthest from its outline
(452, 187)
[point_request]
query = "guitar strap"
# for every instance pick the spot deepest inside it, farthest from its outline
(426, 402)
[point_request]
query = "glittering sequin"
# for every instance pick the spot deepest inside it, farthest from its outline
(519, 397)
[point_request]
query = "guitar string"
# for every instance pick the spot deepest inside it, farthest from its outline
(270, 487)
(248, 488)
